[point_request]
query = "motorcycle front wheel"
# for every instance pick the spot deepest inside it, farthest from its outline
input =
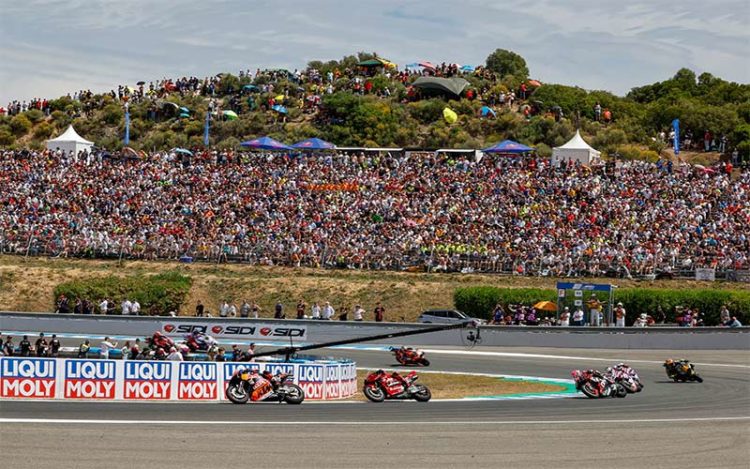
(620, 391)
(374, 393)
(423, 395)
(294, 394)
(237, 394)
(698, 378)
(425, 362)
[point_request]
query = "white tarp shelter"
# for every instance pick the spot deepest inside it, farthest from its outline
(69, 141)
(575, 150)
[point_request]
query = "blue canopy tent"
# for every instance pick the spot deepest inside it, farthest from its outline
(267, 143)
(487, 111)
(182, 151)
(279, 108)
(314, 144)
(508, 147)
(467, 68)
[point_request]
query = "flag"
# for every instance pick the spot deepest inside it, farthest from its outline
(127, 126)
(205, 131)
(676, 128)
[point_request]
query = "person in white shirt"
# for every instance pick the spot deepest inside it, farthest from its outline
(126, 306)
(174, 355)
(232, 312)
(358, 312)
(224, 309)
(315, 311)
(125, 350)
(135, 309)
(578, 317)
(565, 317)
(105, 347)
(103, 306)
(328, 311)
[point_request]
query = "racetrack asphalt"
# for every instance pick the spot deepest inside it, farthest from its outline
(667, 425)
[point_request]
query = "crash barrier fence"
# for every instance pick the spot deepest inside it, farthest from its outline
(295, 332)
(101, 379)
(420, 261)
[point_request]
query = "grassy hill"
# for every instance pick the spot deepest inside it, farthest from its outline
(396, 118)
(29, 285)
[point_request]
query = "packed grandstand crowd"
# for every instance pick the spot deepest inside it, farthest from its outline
(378, 211)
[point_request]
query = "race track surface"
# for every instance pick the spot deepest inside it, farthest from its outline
(712, 419)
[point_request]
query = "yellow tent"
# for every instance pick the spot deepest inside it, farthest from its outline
(450, 115)
(546, 306)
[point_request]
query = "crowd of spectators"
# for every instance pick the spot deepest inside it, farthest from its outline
(370, 211)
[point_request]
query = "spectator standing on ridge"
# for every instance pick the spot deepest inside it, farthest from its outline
(328, 311)
(379, 312)
(724, 314)
(104, 306)
(358, 313)
(135, 308)
(232, 310)
(25, 346)
(126, 306)
(255, 310)
(199, 308)
(301, 309)
(565, 317)
(244, 309)
(315, 310)
(279, 311)
(620, 315)
(595, 307)
(224, 309)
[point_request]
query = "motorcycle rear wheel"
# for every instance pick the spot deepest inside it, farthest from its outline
(590, 390)
(374, 393)
(237, 394)
(423, 395)
(294, 394)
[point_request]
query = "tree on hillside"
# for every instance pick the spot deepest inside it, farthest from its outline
(505, 62)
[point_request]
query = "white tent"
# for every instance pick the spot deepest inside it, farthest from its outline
(69, 141)
(575, 150)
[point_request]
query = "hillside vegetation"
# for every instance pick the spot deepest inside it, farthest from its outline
(396, 117)
(30, 285)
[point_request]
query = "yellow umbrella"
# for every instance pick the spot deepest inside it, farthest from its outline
(279, 97)
(546, 306)
(450, 115)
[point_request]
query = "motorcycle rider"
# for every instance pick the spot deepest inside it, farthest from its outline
(259, 385)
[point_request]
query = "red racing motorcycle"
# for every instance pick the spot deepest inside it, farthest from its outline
(380, 386)
(595, 384)
(408, 356)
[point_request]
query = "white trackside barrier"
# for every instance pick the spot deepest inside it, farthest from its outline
(82, 379)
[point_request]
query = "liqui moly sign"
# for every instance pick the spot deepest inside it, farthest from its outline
(148, 380)
(89, 379)
(197, 381)
(28, 377)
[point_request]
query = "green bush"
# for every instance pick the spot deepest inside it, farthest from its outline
(157, 294)
(480, 301)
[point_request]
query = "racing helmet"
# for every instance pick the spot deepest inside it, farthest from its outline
(669, 361)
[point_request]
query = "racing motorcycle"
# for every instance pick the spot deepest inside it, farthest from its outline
(246, 386)
(197, 341)
(595, 384)
(159, 341)
(681, 370)
(627, 377)
(380, 386)
(409, 356)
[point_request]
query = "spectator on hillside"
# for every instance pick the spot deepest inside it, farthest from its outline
(620, 315)
(734, 322)
(255, 310)
(126, 307)
(359, 313)
(327, 312)
(135, 308)
(224, 309)
(595, 308)
(301, 309)
(565, 317)
(232, 312)
(498, 314)
(724, 315)
(245, 309)
(379, 312)
(279, 311)
(104, 306)
(199, 308)
(315, 310)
